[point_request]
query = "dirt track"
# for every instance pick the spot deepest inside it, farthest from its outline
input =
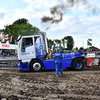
(82, 85)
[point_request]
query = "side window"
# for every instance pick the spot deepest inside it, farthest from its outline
(26, 42)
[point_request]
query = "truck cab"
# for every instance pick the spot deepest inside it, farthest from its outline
(30, 47)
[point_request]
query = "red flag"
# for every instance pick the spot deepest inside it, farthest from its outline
(11, 38)
(2, 38)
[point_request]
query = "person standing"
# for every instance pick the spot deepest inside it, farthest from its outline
(58, 62)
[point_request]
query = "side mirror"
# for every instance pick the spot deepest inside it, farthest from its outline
(19, 37)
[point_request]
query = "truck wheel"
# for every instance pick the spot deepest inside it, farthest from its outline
(78, 65)
(36, 66)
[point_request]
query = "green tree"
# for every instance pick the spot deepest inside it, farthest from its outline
(57, 41)
(70, 42)
(19, 27)
(50, 43)
(36, 30)
(80, 49)
(21, 21)
(76, 48)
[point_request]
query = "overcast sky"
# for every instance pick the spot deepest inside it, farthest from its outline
(81, 21)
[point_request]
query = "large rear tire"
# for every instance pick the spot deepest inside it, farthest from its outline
(78, 65)
(36, 66)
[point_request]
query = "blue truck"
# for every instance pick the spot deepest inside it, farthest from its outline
(34, 57)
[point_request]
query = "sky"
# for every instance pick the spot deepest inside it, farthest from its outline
(81, 21)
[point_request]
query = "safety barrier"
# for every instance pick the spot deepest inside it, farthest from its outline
(92, 59)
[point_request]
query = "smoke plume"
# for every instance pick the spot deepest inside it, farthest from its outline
(59, 10)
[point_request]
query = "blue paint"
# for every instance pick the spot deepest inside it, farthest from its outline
(40, 40)
(24, 67)
(49, 64)
(78, 65)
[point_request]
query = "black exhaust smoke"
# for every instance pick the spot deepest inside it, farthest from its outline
(59, 10)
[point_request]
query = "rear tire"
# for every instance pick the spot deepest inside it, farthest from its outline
(78, 65)
(36, 66)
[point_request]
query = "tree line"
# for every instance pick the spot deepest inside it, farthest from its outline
(19, 27)
(23, 27)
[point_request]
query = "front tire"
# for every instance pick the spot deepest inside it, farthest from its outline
(36, 66)
(78, 65)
